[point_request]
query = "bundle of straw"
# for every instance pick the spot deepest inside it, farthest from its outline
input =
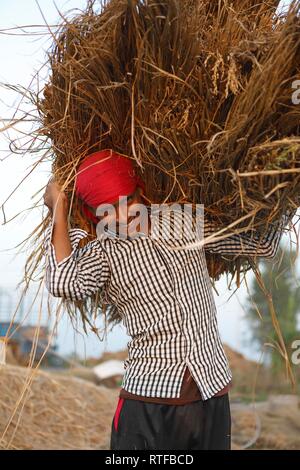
(199, 94)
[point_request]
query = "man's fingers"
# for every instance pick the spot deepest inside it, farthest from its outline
(51, 181)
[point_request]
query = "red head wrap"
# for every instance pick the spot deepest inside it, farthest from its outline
(103, 177)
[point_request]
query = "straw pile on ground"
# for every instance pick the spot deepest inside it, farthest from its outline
(64, 412)
(54, 413)
(272, 424)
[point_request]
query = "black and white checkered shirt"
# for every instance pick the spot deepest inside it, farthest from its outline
(165, 299)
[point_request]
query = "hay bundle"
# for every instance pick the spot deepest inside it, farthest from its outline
(43, 411)
(198, 93)
(196, 97)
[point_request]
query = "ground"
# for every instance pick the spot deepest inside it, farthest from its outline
(66, 409)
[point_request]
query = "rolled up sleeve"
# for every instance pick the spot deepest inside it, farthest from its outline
(80, 274)
(249, 243)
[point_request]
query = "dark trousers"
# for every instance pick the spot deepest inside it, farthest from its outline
(200, 425)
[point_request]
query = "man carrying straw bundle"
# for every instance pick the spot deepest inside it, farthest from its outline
(175, 388)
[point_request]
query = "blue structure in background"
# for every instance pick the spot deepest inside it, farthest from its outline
(21, 340)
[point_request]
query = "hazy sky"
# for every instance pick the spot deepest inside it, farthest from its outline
(20, 57)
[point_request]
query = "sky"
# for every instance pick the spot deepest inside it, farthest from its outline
(21, 56)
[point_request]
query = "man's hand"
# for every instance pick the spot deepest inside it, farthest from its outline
(54, 196)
